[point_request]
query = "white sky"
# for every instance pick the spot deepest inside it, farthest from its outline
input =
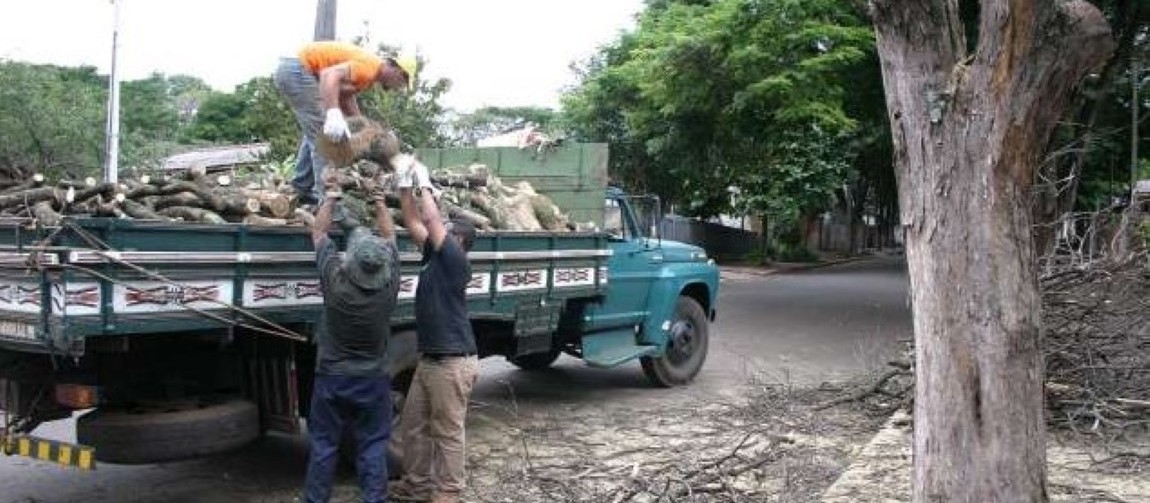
(496, 52)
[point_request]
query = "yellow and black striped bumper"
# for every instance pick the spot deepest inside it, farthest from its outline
(65, 454)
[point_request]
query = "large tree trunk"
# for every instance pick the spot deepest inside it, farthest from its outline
(968, 131)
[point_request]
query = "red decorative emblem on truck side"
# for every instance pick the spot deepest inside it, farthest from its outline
(85, 297)
(572, 275)
(305, 290)
(165, 295)
(406, 285)
(276, 291)
(28, 295)
(476, 281)
(527, 278)
(286, 290)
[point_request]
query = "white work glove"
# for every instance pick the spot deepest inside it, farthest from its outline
(421, 174)
(423, 179)
(335, 126)
(403, 164)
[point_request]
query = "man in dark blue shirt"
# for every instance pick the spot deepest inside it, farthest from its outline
(432, 424)
(352, 386)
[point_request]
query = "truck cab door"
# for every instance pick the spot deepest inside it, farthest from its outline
(631, 268)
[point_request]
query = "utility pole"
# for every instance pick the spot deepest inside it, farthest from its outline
(325, 20)
(1135, 105)
(112, 127)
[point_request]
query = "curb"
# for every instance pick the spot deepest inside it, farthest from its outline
(768, 270)
(881, 471)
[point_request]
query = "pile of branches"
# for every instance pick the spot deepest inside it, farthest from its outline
(1096, 316)
(1097, 319)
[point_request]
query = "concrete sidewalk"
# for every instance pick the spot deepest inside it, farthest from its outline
(881, 473)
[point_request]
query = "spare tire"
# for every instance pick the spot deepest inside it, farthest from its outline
(168, 431)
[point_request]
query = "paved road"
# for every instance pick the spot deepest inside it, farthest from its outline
(801, 327)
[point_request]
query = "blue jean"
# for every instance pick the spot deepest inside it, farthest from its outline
(301, 91)
(364, 403)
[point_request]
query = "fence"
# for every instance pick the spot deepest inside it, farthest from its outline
(720, 241)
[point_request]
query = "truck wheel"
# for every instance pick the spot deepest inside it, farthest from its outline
(686, 349)
(535, 362)
(169, 431)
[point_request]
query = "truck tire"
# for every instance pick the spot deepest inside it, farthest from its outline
(686, 350)
(535, 362)
(172, 432)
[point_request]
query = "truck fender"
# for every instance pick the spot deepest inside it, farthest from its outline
(664, 297)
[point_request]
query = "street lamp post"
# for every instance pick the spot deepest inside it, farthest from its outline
(112, 127)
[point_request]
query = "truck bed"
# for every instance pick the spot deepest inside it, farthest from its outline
(102, 277)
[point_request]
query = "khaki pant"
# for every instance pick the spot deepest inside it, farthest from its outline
(431, 428)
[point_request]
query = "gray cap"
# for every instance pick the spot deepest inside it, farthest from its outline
(368, 263)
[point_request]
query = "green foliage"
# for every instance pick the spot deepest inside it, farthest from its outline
(705, 95)
(220, 118)
(52, 120)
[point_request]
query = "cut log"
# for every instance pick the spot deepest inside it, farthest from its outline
(273, 203)
(45, 215)
(475, 219)
(139, 211)
(190, 214)
(305, 217)
(369, 141)
(548, 214)
(177, 199)
(31, 196)
(265, 221)
(100, 189)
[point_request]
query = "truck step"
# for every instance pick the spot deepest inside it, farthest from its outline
(613, 348)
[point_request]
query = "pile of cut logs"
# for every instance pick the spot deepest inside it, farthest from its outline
(261, 197)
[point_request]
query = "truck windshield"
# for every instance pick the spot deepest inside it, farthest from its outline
(613, 220)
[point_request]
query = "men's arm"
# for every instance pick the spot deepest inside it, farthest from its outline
(333, 80)
(322, 223)
(383, 221)
(411, 218)
(436, 232)
(348, 103)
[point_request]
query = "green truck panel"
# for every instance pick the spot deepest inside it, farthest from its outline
(573, 175)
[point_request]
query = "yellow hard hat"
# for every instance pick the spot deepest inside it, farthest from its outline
(410, 66)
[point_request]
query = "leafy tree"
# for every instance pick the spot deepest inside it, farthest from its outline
(220, 118)
(266, 117)
(53, 119)
(489, 121)
(704, 95)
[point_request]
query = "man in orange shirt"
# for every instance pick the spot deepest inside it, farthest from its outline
(321, 85)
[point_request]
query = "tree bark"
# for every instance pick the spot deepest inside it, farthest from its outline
(968, 133)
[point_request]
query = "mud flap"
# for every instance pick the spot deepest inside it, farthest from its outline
(272, 386)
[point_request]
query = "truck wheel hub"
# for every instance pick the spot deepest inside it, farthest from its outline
(682, 336)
